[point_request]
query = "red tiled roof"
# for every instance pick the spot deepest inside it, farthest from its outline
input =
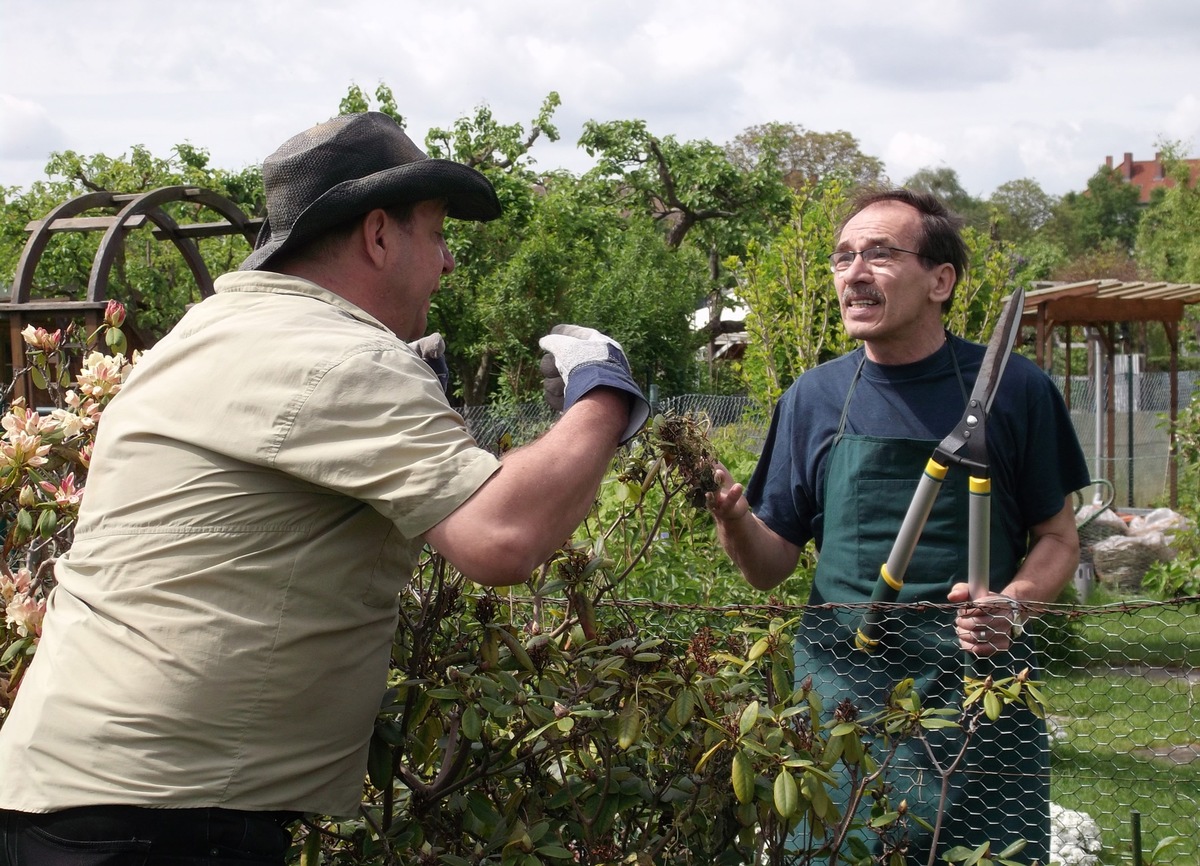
(1147, 174)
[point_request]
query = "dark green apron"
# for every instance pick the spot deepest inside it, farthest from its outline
(1001, 791)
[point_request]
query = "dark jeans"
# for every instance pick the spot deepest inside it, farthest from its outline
(134, 836)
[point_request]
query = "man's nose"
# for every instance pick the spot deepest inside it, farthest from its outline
(858, 268)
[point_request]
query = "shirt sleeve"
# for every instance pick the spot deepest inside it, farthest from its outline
(777, 492)
(376, 427)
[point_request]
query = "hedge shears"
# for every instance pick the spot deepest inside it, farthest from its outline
(965, 446)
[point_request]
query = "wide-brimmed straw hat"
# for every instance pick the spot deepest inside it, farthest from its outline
(347, 166)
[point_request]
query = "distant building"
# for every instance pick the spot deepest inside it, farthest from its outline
(1147, 175)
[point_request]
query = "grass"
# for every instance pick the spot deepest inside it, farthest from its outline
(1130, 695)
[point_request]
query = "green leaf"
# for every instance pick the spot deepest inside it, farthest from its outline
(816, 794)
(472, 725)
(115, 340)
(683, 706)
(704, 758)
(760, 646)
(1013, 849)
(14, 649)
(884, 820)
(748, 718)
(992, 706)
(379, 763)
(742, 776)
(629, 724)
(787, 794)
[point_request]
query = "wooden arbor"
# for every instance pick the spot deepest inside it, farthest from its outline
(127, 211)
(1101, 305)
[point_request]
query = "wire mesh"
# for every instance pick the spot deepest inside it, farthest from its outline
(1120, 689)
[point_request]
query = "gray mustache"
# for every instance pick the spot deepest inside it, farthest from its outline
(850, 297)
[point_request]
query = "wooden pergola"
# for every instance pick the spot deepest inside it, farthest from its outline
(1102, 305)
(120, 214)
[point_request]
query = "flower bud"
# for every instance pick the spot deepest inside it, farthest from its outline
(114, 314)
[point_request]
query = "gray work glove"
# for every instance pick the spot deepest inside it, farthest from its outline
(580, 359)
(432, 349)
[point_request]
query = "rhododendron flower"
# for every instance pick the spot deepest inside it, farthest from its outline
(26, 614)
(19, 419)
(17, 583)
(71, 423)
(114, 314)
(102, 375)
(41, 339)
(20, 450)
(65, 494)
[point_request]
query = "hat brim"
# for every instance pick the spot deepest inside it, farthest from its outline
(468, 195)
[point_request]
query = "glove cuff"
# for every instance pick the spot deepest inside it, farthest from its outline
(588, 377)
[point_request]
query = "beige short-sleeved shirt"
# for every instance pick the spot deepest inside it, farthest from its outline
(221, 628)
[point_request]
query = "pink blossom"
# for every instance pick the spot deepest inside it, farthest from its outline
(11, 585)
(25, 614)
(19, 419)
(66, 495)
(21, 450)
(114, 314)
(102, 375)
(42, 340)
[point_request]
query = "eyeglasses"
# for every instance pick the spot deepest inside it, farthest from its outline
(873, 256)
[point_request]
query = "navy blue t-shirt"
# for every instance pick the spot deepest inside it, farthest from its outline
(1035, 458)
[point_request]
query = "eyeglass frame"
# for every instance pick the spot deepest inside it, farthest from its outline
(833, 264)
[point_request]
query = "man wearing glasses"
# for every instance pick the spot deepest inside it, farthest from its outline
(847, 444)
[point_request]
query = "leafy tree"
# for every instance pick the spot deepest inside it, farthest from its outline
(944, 183)
(1021, 207)
(695, 190)
(1108, 260)
(690, 187)
(1107, 211)
(1168, 237)
(578, 259)
(805, 157)
(795, 321)
(357, 101)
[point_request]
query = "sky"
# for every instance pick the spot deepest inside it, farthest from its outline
(997, 90)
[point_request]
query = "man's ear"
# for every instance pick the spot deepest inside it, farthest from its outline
(943, 287)
(372, 235)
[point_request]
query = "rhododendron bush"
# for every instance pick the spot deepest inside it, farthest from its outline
(44, 454)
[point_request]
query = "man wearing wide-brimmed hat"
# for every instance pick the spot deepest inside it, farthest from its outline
(215, 651)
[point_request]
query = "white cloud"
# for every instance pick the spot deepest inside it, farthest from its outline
(26, 130)
(994, 91)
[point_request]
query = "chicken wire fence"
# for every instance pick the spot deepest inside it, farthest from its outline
(1110, 773)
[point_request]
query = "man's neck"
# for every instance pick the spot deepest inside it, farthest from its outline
(907, 351)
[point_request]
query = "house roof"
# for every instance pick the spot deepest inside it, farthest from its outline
(1149, 174)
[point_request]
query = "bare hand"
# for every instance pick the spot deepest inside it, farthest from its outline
(984, 625)
(728, 502)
